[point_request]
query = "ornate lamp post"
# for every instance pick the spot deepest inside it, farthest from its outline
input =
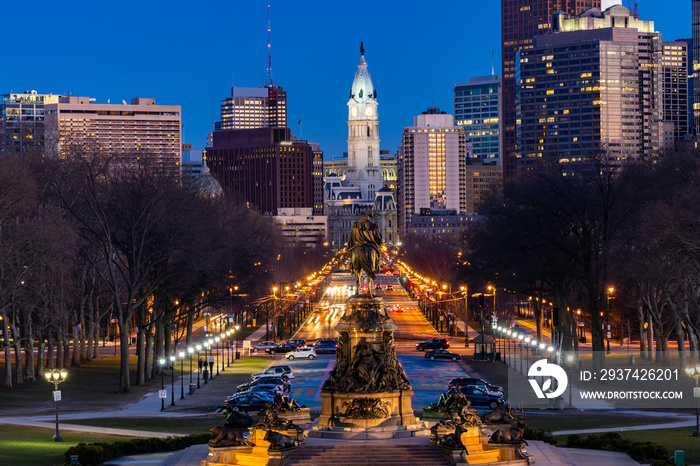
(527, 351)
(694, 372)
(199, 363)
(229, 347)
(210, 347)
(162, 382)
(205, 371)
(182, 375)
(274, 312)
(520, 346)
(172, 383)
(570, 360)
(465, 290)
(55, 377)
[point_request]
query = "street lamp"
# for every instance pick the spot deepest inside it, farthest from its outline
(274, 312)
(190, 350)
(199, 363)
(182, 375)
(611, 290)
(55, 377)
(217, 340)
(694, 372)
(210, 360)
(162, 382)
(465, 290)
(520, 347)
(172, 383)
(570, 360)
(238, 354)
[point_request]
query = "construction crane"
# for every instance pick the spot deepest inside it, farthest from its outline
(633, 10)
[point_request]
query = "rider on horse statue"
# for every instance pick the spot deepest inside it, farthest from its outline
(364, 248)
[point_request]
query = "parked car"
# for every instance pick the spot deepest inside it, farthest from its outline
(300, 353)
(480, 397)
(433, 343)
(273, 382)
(474, 382)
(390, 287)
(329, 346)
(275, 371)
(441, 354)
(283, 348)
(263, 345)
(247, 401)
(297, 343)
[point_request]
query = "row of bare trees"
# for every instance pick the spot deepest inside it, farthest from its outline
(90, 239)
(566, 238)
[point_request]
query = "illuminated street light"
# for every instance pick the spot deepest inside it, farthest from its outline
(55, 377)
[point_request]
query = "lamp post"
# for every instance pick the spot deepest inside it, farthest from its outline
(465, 290)
(229, 347)
(199, 363)
(55, 377)
(527, 351)
(172, 383)
(205, 371)
(217, 340)
(694, 372)
(211, 357)
(182, 375)
(520, 347)
(274, 312)
(190, 350)
(238, 354)
(611, 290)
(570, 360)
(162, 382)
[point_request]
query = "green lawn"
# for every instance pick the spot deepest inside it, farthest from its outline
(176, 425)
(29, 445)
(570, 420)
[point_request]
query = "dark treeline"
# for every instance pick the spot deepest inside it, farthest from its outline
(565, 239)
(88, 239)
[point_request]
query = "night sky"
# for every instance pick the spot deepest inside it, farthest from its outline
(190, 53)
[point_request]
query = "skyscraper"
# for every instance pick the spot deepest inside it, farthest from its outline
(600, 85)
(254, 107)
(432, 163)
(477, 105)
(521, 20)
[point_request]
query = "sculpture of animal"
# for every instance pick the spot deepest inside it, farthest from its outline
(225, 437)
(512, 435)
(279, 441)
(361, 258)
(502, 413)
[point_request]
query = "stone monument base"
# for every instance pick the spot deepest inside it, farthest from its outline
(365, 410)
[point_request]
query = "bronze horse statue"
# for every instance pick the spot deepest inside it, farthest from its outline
(363, 246)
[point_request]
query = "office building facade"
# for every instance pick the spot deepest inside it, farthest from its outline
(696, 65)
(22, 125)
(596, 88)
(432, 163)
(128, 132)
(263, 167)
(521, 21)
(477, 109)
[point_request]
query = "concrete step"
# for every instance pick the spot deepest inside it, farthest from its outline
(388, 455)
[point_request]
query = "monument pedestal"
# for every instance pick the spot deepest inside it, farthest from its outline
(366, 409)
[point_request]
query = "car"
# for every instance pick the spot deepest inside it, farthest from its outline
(263, 345)
(274, 382)
(301, 352)
(378, 288)
(275, 371)
(479, 397)
(433, 343)
(284, 348)
(297, 342)
(390, 288)
(441, 354)
(474, 382)
(398, 307)
(329, 346)
(246, 401)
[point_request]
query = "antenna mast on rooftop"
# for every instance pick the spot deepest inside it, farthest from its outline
(268, 81)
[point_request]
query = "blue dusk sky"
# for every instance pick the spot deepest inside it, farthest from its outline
(190, 53)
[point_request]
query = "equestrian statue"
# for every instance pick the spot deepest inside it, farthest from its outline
(364, 249)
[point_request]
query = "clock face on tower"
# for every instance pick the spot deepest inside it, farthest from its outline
(368, 111)
(354, 112)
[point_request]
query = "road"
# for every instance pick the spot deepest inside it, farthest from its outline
(428, 378)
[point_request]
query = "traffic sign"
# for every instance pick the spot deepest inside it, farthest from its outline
(696, 392)
(57, 395)
(162, 394)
